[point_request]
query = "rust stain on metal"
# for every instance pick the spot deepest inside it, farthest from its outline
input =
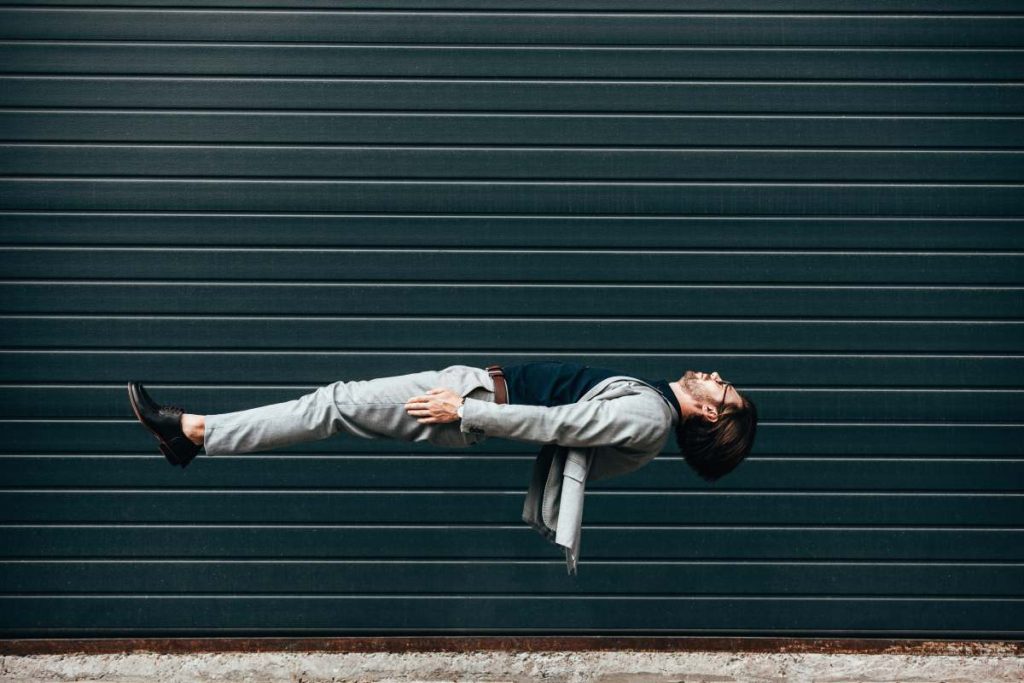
(514, 644)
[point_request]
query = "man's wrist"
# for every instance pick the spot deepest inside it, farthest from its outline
(462, 406)
(471, 408)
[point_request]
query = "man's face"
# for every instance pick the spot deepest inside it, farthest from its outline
(708, 388)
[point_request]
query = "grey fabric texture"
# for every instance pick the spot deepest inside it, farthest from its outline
(618, 426)
(371, 409)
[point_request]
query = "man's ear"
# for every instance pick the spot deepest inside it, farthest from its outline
(709, 413)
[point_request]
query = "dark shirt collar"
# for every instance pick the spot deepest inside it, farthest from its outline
(662, 385)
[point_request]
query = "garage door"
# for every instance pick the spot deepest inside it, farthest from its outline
(236, 202)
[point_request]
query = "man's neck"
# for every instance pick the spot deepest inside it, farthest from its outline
(686, 407)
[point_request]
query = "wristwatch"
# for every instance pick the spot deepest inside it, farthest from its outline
(459, 411)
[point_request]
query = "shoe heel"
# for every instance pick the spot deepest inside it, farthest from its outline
(169, 454)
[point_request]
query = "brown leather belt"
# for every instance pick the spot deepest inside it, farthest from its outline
(500, 386)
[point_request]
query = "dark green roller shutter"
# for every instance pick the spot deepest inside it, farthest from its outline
(237, 202)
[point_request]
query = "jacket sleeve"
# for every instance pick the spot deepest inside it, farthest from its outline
(628, 422)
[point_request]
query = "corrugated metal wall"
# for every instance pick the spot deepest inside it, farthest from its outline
(820, 199)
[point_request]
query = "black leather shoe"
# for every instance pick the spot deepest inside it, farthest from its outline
(165, 424)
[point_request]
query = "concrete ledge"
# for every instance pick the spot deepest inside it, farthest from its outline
(947, 661)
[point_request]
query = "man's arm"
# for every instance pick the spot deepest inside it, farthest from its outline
(629, 422)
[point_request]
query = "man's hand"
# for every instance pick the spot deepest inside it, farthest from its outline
(436, 406)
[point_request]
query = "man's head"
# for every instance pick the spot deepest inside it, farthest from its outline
(718, 426)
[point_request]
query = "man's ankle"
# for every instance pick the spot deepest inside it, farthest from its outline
(194, 427)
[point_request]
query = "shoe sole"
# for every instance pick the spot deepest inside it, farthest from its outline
(165, 447)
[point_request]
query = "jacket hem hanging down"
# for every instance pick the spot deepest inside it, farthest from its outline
(554, 501)
(558, 517)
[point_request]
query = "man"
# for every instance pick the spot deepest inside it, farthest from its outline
(593, 422)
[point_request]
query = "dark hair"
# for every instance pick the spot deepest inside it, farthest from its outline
(713, 449)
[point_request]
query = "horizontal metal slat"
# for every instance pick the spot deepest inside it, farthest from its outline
(510, 540)
(897, 97)
(607, 301)
(480, 265)
(478, 470)
(496, 162)
(514, 27)
(636, 198)
(761, 6)
(144, 332)
(333, 506)
(194, 615)
(62, 57)
(472, 578)
(632, 232)
(506, 128)
(320, 367)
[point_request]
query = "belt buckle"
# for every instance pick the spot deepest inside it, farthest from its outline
(498, 376)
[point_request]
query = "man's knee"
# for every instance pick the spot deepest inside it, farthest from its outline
(320, 411)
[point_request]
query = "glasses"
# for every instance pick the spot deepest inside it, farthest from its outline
(725, 393)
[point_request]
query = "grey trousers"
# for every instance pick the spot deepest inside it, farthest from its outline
(371, 409)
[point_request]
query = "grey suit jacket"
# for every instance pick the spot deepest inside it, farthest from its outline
(618, 426)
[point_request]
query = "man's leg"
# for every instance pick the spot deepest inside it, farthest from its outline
(371, 409)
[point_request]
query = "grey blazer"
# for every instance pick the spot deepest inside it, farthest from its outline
(618, 426)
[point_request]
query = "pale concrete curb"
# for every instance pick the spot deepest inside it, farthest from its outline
(521, 667)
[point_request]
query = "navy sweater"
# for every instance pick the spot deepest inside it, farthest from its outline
(555, 383)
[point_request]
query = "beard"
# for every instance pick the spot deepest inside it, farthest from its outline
(695, 388)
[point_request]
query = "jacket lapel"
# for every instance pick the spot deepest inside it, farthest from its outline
(570, 518)
(533, 506)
